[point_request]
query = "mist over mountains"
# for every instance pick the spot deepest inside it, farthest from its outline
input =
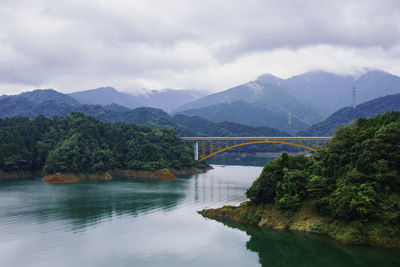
(167, 99)
(345, 115)
(261, 95)
(328, 92)
(295, 105)
(51, 103)
(245, 113)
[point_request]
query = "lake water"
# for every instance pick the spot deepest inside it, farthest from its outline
(240, 159)
(151, 222)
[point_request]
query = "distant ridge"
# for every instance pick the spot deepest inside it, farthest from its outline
(244, 113)
(41, 95)
(103, 96)
(259, 103)
(267, 96)
(40, 102)
(309, 97)
(345, 115)
(329, 92)
(167, 99)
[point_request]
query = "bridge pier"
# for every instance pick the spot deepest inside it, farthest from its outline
(196, 150)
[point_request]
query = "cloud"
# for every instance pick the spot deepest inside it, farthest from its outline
(296, 24)
(209, 45)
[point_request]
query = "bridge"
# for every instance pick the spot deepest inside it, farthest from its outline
(220, 144)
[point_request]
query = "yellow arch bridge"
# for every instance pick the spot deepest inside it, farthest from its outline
(219, 144)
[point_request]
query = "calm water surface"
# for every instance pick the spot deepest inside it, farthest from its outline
(240, 159)
(154, 223)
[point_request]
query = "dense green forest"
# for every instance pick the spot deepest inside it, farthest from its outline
(356, 178)
(78, 143)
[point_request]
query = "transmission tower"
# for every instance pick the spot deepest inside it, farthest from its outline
(353, 102)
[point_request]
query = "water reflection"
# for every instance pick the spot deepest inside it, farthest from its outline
(287, 248)
(150, 222)
(240, 159)
(87, 203)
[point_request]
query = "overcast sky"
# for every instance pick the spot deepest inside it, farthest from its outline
(207, 45)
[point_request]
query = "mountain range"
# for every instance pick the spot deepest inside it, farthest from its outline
(259, 94)
(307, 98)
(245, 113)
(167, 99)
(294, 105)
(51, 103)
(329, 92)
(345, 115)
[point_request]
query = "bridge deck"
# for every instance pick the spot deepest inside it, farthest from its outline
(198, 138)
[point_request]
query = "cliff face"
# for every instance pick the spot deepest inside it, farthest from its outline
(305, 219)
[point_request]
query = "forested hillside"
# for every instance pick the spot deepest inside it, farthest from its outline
(349, 190)
(244, 113)
(266, 98)
(77, 143)
(206, 127)
(26, 106)
(345, 115)
(355, 179)
(30, 105)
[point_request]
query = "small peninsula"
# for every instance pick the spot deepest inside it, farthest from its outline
(78, 147)
(349, 191)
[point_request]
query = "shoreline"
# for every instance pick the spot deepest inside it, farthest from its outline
(268, 217)
(108, 175)
(157, 174)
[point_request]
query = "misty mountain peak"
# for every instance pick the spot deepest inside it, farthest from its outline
(322, 76)
(166, 99)
(41, 91)
(107, 89)
(269, 79)
(374, 74)
(41, 95)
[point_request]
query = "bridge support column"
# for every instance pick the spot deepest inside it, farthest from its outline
(196, 150)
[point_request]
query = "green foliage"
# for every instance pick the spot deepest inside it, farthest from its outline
(357, 177)
(76, 143)
(281, 181)
(291, 189)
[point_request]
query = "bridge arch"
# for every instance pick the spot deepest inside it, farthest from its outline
(303, 142)
(255, 142)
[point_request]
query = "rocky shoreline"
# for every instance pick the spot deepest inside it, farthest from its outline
(269, 218)
(159, 174)
(109, 175)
